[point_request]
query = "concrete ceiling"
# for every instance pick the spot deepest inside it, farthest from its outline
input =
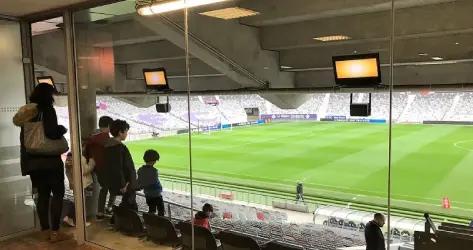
(18, 8)
(248, 51)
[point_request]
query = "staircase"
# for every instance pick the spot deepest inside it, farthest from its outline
(404, 116)
(184, 120)
(450, 113)
(324, 106)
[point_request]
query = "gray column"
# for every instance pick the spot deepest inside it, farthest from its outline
(14, 188)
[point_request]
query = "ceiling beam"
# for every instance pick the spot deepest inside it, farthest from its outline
(404, 74)
(173, 68)
(428, 21)
(47, 14)
(407, 50)
(145, 52)
(278, 12)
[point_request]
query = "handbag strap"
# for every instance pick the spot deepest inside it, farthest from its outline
(39, 117)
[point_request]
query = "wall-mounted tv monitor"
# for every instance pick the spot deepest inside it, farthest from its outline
(156, 79)
(45, 79)
(357, 71)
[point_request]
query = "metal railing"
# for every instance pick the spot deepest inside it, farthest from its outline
(241, 195)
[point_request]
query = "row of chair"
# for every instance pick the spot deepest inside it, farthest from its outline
(448, 236)
(162, 230)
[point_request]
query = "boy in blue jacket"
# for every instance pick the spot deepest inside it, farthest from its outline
(148, 179)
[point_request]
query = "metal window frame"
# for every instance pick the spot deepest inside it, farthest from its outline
(74, 125)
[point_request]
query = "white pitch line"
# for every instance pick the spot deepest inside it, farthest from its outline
(458, 143)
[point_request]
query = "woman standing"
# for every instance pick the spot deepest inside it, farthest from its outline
(46, 171)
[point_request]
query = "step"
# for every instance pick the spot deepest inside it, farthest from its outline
(9, 170)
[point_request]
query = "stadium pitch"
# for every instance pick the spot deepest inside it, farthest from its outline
(347, 161)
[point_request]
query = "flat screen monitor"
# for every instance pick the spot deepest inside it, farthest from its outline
(355, 71)
(45, 79)
(156, 79)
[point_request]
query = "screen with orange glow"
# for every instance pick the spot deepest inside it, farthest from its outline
(155, 78)
(46, 80)
(357, 68)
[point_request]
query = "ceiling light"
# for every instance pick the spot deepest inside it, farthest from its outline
(145, 11)
(436, 58)
(457, 43)
(332, 38)
(230, 13)
(286, 67)
(152, 7)
(423, 54)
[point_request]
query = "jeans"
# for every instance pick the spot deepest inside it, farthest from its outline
(155, 203)
(69, 210)
(47, 182)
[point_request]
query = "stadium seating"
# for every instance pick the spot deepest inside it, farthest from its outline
(237, 241)
(203, 238)
(407, 107)
(411, 107)
(161, 230)
(276, 245)
(443, 240)
(308, 236)
(127, 221)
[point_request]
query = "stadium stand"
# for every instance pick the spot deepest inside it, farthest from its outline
(333, 227)
(463, 107)
(282, 246)
(276, 232)
(408, 107)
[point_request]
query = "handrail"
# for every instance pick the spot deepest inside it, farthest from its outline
(169, 202)
(234, 65)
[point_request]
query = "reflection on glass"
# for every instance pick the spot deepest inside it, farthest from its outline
(431, 142)
(278, 164)
(111, 74)
(295, 166)
(17, 206)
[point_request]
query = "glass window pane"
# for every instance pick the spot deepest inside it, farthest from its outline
(431, 111)
(17, 210)
(114, 46)
(276, 136)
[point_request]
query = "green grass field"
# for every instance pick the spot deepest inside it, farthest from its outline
(347, 161)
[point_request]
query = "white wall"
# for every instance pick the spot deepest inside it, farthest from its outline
(12, 87)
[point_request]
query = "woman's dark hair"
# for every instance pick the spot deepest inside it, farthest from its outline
(118, 126)
(43, 95)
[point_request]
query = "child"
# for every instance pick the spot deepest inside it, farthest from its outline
(148, 180)
(87, 169)
(119, 166)
(202, 217)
